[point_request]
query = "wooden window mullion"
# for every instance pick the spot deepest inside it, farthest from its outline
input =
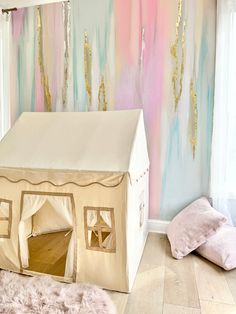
(4, 219)
(99, 228)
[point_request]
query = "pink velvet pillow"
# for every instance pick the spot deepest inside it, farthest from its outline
(193, 226)
(221, 248)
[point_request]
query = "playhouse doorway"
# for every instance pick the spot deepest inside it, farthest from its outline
(47, 233)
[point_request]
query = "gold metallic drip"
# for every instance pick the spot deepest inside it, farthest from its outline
(102, 103)
(193, 118)
(88, 67)
(67, 34)
(174, 53)
(44, 77)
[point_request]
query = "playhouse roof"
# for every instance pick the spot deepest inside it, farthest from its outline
(112, 141)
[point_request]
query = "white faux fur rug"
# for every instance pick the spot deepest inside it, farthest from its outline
(42, 295)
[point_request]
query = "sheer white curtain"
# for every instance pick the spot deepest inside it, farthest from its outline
(5, 35)
(223, 163)
(91, 221)
(108, 242)
(63, 205)
(31, 204)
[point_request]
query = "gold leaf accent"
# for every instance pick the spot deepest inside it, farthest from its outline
(67, 34)
(102, 103)
(193, 121)
(177, 78)
(44, 77)
(88, 67)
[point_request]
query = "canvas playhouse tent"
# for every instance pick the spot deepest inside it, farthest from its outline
(74, 196)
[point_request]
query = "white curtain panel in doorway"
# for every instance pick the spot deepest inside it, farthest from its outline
(31, 204)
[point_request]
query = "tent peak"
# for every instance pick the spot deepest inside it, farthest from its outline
(79, 141)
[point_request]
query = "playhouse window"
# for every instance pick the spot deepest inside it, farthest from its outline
(99, 229)
(5, 218)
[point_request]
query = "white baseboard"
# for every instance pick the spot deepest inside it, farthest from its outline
(158, 226)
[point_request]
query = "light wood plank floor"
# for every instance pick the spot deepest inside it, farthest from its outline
(48, 252)
(167, 286)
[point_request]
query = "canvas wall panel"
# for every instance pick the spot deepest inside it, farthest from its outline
(111, 268)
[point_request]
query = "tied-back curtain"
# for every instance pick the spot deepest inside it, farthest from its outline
(5, 35)
(31, 204)
(91, 221)
(223, 163)
(108, 242)
(62, 205)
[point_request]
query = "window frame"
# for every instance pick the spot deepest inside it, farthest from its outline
(99, 229)
(9, 219)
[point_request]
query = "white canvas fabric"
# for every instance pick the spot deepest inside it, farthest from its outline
(81, 141)
(61, 177)
(97, 160)
(57, 218)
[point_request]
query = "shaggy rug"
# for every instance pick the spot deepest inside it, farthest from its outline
(43, 295)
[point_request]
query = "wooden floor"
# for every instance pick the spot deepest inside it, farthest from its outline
(163, 285)
(48, 253)
(167, 286)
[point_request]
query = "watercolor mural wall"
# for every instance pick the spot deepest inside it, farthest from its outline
(117, 54)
